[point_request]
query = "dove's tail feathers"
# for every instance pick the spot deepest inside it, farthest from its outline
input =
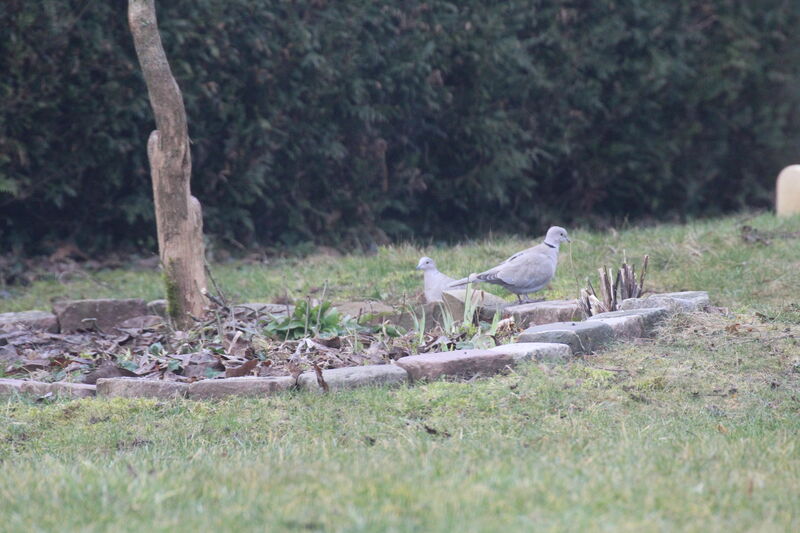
(472, 278)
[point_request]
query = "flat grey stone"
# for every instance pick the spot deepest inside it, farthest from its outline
(355, 376)
(675, 302)
(547, 312)
(59, 388)
(157, 307)
(101, 314)
(10, 387)
(648, 319)
(73, 390)
(581, 337)
(8, 337)
(626, 327)
(9, 355)
(142, 322)
(536, 351)
(461, 363)
(40, 320)
(140, 388)
(35, 388)
(39, 388)
(244, 386)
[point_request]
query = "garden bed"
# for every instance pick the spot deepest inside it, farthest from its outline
(283, 347)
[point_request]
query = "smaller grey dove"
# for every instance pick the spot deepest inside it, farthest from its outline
(434, 281)
(526, 271)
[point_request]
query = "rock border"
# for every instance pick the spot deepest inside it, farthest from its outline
(553, 342)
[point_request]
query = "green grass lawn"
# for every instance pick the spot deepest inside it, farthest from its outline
(708, 254)
(695, 431)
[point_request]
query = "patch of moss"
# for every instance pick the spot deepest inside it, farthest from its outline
(174, 307)
(657, 383)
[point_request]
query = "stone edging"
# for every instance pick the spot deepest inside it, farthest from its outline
(553, 342)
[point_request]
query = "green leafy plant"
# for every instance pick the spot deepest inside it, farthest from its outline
(464, 331)
(310, 321)
(419, 326)
(470, 305)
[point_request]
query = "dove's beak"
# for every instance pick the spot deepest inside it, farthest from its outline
(417, 267)
(568, 239)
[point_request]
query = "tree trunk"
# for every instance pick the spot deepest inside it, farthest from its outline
(178, 215)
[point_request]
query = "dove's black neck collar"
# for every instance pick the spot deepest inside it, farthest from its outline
(550, 245)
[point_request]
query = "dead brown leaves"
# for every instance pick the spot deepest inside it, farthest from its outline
(228, 344)
(242, 370)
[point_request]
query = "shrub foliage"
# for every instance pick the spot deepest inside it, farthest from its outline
(366, 120)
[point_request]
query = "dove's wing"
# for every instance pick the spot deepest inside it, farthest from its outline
(523, 273)
(443, 279)
(528, 276)
(527, 270)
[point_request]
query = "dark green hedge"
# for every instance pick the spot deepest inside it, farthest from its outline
(362, 120)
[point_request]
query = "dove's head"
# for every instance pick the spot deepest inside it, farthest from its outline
(556, 235)
(426, 263)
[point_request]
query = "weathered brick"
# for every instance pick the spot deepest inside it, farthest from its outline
(102, 314)
(35, 388)
(244, 386)
(40, 320)
(59, 388)
(626, 327)
(157, 307)
(355, 376)
(9, 387)
(546, 312)
(581, 337)
(633, 323)
(461, 363)
(536, 351)
(675, 302)
(73, 390)
(140, 388)
(40, 388)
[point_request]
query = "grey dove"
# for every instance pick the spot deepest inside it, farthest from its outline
(524, 272)
(433, 280)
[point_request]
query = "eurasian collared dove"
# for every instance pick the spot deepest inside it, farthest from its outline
(434, 281)
(526, 271)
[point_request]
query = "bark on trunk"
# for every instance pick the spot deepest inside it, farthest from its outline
(178, 215)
